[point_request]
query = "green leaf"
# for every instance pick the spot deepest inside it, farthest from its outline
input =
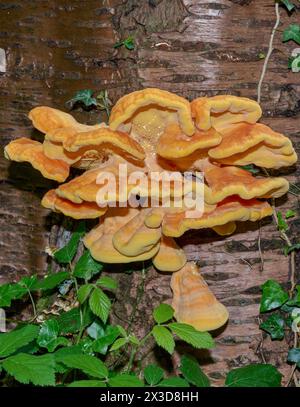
(289, 249)
(163, 313)
(86, 267)
(9, 292)
(254, 376)
(292, 33)
(125, 380)
(66, 254)
(38, 370)
(118, 344)
(84, 97)
(192, 372)
(290, 6)
(122, 331)
(63, 352)
(133, 339)
(128, 43)
(87, 383)
(48, 336)
(90, 365)
(107, 282)
(273, 296)
(295, 302)
(51, 281)
(295, 64)
(70, 321)
(274, 325)
(102, 343)
(96, 330)
(83, 292)
(290, 214)
(163, 338)
(153, 374)
(282, 225)
(250, 167)
(11, 341)
(174, 382)
(294, 356)
(199, 340)
(28, 282)
(261, 55)
(100, 304)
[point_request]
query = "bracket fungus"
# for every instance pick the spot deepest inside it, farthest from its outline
(154, 130)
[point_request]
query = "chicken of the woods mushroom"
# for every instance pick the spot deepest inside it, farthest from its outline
(154, 130)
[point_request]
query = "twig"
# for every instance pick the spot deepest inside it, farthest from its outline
(269, 53)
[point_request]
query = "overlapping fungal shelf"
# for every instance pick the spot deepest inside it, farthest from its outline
(154, 130)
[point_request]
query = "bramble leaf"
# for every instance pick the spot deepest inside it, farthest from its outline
(118, 344)
(9, 292)
(107, 282)
(125, 380)
(90, 365)
(199, 340)
(48, 335)
(12, 341)
(51, 281)
(174, 382)
(163, 313)
(86, 267)
(153, 374)
(87, 383)
(100, 304)
(192, 372)
(163, 338)
(66, 253)
(83, 292)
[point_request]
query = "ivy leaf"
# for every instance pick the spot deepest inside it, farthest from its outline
(51, 281)
(48, 336)
(83, 96)
(90, 365)
(83, 292)
(107, 282)
(100, 304)
(199, 340)
(174, 382)
(118, 344)
(11, 341)
(254, 376)
(289, 249)
(274, 325)
(295, 302)
(290, 6)
(9, 292)
(109, 336)
(163, 338)
(290, 214)
(38, 370)
(86, 267)
(295, 64)
(163, 313)
(292, 33)
(125, 380)
(66, 254)
(273, 296)
(87, 383)
(153, 374)
(128, 43)
(294, 356)
(282, 225)
(192, 372)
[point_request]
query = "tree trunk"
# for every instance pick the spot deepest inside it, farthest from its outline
(189, 47)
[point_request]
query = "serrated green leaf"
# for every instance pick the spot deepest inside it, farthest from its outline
(70, 321)
(273, 296)
(292, 33)
(87, 383)
(86, 267)
(118, 344)
(48, 336)
(125, 380)
(274, 325)
(85, 97)
(83, 292)
(107, 282)
(10, 292)
(295, 302)
(51, 281)
(11, 341)
(290, 6)
(153, 374)
(282, 225)
(122, 330)
(28, 282)
(38, 370)
(192, 372)
(90, 365)
(102, 343)
(294, 356)
(174, 382)
(163, 338)
(254, 376)
(163, 313)
(199, 340)
(100, 304)
(66, 254)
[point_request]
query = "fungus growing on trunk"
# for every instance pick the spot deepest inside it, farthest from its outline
(153, 131)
